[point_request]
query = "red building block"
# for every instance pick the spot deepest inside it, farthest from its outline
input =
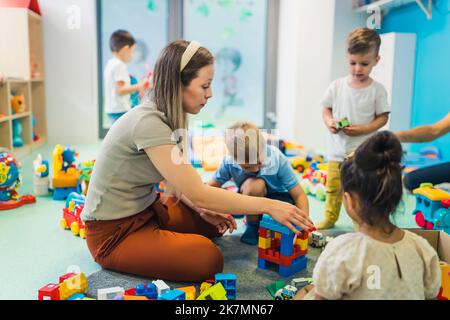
(49, 292)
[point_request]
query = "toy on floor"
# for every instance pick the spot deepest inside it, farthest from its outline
(17, 130)
(85, 177)
(274, 287)
(71, 218)
(229, 282)
(41, 182)
(276, 247)
(432, 208)
(286, 293)
(301, 163)
(301, 282)
(69, 285)
(66, 177)
(314, 180)
(10, 181)
(216, 292)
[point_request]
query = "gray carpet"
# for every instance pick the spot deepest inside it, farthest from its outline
(240, 259)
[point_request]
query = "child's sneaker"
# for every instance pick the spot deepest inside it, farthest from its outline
(251, 234)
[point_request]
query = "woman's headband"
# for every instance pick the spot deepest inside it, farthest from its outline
(190, 51)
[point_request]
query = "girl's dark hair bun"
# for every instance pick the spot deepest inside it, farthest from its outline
(383, 150)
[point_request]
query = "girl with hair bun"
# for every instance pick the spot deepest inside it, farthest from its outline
(380, 261)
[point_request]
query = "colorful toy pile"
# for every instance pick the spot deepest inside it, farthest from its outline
(314, 180)
(73, 286)
(276, 246)
(432, 208)
(10, 181)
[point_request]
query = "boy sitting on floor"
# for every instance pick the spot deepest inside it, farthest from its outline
(258, 170)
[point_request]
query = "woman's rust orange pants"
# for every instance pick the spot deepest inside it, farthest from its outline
(169, 242)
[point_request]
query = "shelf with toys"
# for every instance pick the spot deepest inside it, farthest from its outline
(23, 126)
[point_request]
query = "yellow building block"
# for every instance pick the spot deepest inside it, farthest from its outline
(216, 292)
(75, 284)
(205, 286)
(303, 244)
(191, 292)
(264, 243)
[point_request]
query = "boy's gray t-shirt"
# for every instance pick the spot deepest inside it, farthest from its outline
(123, 176)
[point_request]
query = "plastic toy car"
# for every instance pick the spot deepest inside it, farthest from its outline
(286, 293)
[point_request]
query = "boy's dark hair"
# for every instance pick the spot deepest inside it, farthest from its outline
(363, 40)
(374, 175)
(120, 39)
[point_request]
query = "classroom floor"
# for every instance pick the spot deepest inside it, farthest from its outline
(35, 251)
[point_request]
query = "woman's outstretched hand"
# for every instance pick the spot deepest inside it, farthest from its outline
(291, 216)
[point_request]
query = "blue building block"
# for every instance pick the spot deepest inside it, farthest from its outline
(150, 291)
(173, 295)
(63, 193)
(297, 265)
(228, 281)
(287, 245)
(77, 198)
(268, 223)
(77, 296)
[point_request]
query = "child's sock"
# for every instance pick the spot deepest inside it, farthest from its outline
(251, 234)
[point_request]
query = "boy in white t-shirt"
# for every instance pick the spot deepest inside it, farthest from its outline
(362, 103)
(117, 78)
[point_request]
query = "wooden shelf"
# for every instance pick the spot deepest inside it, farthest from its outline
(22, 64)
(20, 115)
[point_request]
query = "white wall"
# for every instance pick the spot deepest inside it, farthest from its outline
(70, 72)
(311, 54)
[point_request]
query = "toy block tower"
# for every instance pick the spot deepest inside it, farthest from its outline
(276, 247)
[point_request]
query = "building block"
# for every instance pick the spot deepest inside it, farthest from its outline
(130, 292)
(70, 286)
(264, 243)
(161, 286)
(216, 292)
(264, 233)
(77, 296)
(298, 265)
(205, 286)
(268, 223)
(147, 290)
(287, 244)
(173, 295)
(139, 298)
(63, 193)
(49, 292)
(191, 292)
(109, 293)
(229, 282)
(445, 281)
(303, 244)
(66, 276)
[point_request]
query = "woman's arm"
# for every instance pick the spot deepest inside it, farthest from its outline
(426, 133)
(186, 180)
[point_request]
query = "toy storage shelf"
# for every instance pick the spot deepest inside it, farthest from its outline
(22, 64)
(34, 95)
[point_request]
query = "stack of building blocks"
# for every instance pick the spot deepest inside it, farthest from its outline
(69, 284)
(66, 177)
(228, 281)
(149, 291)
(276, 246)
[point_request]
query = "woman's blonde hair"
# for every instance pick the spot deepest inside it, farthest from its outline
(169, 81)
